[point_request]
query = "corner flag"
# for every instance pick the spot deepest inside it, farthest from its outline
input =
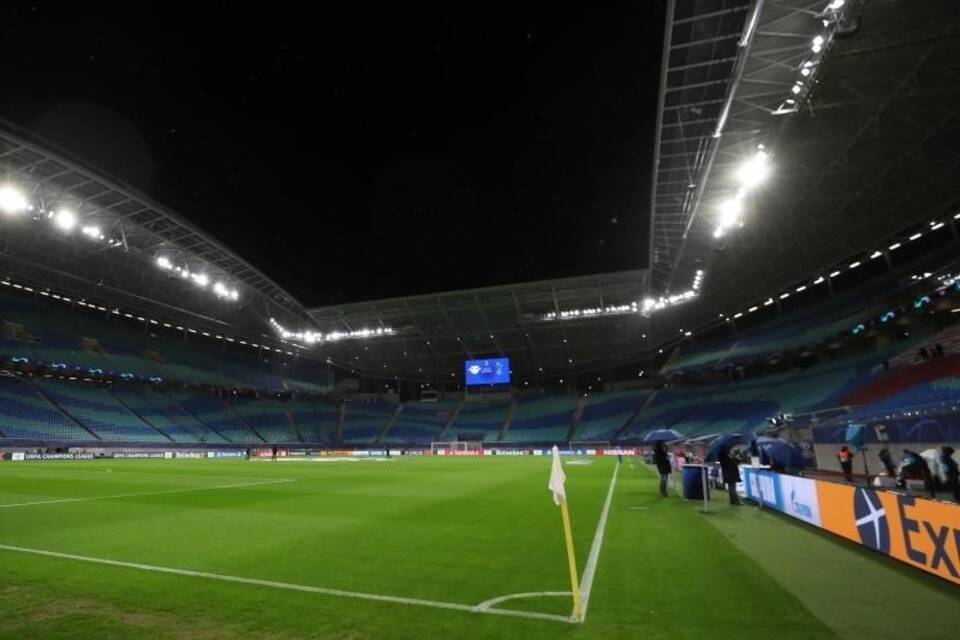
(557, 485)
(557, 479)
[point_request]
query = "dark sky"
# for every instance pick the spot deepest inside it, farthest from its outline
(354, 154)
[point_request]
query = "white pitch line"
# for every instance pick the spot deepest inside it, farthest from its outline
(146, 493)
(590, 570)
(487, 604)
(292, 587)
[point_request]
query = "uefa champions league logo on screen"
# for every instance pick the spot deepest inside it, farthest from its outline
(474, 369)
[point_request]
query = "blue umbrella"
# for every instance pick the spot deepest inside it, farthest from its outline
(854, 436)
(662, 435)
(723, 440)
(780, 452)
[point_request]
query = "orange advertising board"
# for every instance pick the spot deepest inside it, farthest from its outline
(923, 533)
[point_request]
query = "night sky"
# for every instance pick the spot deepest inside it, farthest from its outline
(354, 154)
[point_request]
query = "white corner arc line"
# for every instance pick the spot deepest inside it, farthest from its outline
(590, 570)
(145, 493)
(289, 586)
(487, 604)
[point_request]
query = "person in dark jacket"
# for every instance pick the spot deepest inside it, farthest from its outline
(731, 473)
(662, 460)
(888, 462)
(950, 471)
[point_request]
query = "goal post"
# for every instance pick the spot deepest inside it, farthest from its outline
(457, 448)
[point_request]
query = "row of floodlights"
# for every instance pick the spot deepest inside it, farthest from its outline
(586, 312)
(126, 314)
(829, 16)
(14, 202)
(751, 174)
(315, 337)
(934, 226)
(201, 280)
(646, 307)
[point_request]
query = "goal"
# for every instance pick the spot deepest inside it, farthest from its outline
(589, 444)
(457, 448)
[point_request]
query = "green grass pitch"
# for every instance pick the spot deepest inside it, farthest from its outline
(408, 548)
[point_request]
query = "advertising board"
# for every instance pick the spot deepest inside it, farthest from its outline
(920, 532)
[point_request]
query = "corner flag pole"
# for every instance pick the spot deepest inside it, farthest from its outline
(572, 561)
(557, 485)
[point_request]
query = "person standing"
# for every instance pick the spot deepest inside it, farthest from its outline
(662, 460)
(951, 471)
(845, 456)
(731, 473)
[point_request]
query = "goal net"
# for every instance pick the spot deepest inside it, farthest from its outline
(457, 448)
(589, 444)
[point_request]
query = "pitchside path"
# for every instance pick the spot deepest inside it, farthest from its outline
(461, 531)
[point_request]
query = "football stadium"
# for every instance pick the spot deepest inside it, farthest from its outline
(749, 435)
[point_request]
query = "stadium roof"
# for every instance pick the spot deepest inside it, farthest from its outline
(119, 236)
(547, 328)
(866, 147)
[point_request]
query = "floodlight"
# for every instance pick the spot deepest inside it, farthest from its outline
(164, 263)
(730, 211)
(12, 201)
(797, 88)
(754, 171)
(65, 219)
(92, 231)
(835, 5)
(201, 279)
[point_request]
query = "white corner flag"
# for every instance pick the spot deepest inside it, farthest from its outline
(557, 479)
(557, 485)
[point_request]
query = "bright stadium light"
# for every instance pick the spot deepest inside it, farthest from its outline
(200, 279)
(164, 263)
(12, 201)
(92, 231)
(876, 254)
(817, 44)
(730, 210)
(65, 220)
(836, 5)
(754, 171)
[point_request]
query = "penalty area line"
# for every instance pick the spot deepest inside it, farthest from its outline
(483, 608)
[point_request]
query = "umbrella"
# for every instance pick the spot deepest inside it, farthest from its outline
(932, 458)
(723, 440)
(662, 435)
(780, 452)
(855, 436)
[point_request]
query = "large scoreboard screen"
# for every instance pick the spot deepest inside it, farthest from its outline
(488, 371)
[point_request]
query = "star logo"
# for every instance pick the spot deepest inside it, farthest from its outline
(871, 520)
